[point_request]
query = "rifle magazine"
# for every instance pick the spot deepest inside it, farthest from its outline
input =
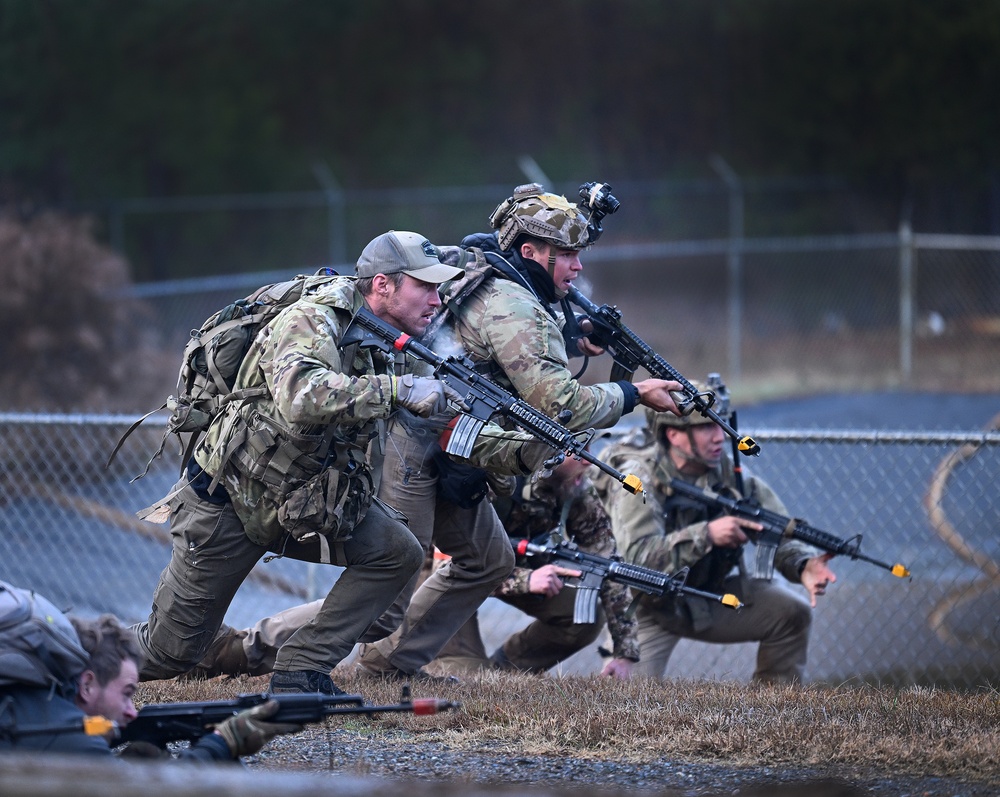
(463, 436)
(585, 606)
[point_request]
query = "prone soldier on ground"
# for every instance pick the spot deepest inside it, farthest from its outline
(90, 679)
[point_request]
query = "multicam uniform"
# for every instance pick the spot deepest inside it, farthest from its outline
(667, 533)
(507, 330)
(535, 510)
(314, 409)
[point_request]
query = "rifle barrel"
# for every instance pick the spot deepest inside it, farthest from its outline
(783, 526)
(640, 353)
(499, 400)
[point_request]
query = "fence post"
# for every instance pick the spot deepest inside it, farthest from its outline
(907, 255)
(734, 260)
(335, 213)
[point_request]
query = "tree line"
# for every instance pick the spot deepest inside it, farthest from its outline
(134, 98)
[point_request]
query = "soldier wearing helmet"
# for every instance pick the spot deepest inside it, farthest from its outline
(669, 532)
(502, 315)
(551, 226)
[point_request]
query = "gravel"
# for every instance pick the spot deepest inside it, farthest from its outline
(424, 762)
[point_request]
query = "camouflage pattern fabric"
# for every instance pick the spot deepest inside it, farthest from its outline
(264, 447)
(645, 538)
(503, 323)
(537, 511)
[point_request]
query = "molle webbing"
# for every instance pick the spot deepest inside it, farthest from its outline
(276, 456)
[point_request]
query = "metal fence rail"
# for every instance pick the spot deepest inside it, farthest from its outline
(927, 499)
(776, 315)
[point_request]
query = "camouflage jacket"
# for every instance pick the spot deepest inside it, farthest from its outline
(502, 325)
(664, 535)
(536, 509)
(316, 406)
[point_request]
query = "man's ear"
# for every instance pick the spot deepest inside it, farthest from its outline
(87, 685)
(529, 251)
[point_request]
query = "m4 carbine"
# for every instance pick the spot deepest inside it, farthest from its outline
(631, 352)
(483, 397)
(596, 569)
(776, 528)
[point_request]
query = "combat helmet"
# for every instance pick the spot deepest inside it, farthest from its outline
(548, 217)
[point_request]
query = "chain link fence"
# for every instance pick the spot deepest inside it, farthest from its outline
(776, 316)
(926, 499)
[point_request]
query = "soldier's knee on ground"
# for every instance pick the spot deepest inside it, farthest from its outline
(226, 656)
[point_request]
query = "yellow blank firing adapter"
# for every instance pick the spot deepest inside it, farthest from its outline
(731, 600)
(899, 571)
(632, 483)
(748, 446)
(99, 726)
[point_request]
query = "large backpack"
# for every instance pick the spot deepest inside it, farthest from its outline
(38, 644)
(212, 359)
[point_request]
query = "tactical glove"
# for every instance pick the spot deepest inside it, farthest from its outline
(247, 733)
(424, 395)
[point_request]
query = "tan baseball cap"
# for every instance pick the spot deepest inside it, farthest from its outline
(396, 251)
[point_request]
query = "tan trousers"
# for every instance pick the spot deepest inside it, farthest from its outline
(480, 551)
(427, 617)
(552, 638)
(774, 616)
(212, 556)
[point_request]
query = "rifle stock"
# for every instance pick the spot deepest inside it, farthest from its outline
(161, 723)
(778, 527)
(596, 569)
(483, 397)
(629, 352)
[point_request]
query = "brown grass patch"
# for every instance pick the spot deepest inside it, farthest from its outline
(902, 732)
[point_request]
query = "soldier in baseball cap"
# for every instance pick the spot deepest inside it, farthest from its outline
(407, 252)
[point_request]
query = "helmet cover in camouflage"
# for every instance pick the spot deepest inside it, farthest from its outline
(548, 217)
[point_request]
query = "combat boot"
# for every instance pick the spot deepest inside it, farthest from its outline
(225, 656)
(372, 664)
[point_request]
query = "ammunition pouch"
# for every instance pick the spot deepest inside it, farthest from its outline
(276, 456)
(328, 505)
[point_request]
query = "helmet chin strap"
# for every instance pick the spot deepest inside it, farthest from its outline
(695, 455)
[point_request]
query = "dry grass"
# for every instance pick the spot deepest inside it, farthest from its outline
(900, 732)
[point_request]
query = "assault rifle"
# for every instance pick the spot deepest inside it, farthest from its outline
(629, 352)
(776, 528)
(596, 569)
(483, 397)
(161, 723)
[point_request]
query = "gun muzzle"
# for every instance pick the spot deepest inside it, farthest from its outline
(632, 483)
(423, 706)
(899, 571)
